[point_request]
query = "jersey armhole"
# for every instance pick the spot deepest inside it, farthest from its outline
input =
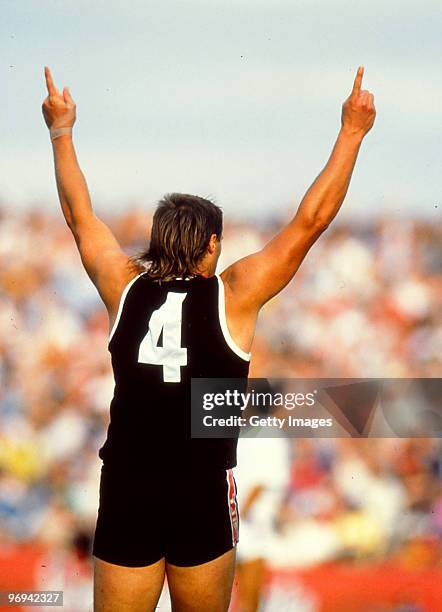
(121, 305)
(223, 322)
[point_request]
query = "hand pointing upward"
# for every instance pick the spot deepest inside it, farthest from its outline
(358, 110)
(58, 108)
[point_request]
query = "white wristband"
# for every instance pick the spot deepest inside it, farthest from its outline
(57, 132)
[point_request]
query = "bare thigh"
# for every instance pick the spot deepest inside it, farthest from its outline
(205, 587)
(127, 589)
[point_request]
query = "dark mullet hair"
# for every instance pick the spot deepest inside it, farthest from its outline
(181, 230)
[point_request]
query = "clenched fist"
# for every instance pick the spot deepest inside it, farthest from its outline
(58, 108)
(358, 111)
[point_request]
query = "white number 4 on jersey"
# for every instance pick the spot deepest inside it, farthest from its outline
(171, 355)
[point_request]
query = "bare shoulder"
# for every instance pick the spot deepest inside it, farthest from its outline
(240, 317)
(108, 266)
(117, 273)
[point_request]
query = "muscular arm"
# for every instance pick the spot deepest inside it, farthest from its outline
(105, 262)
(253, 280)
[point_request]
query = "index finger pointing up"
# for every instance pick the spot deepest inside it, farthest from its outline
(358, 81)
(52, 91)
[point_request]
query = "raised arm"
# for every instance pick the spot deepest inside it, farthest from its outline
(253, 280)
(107, 265)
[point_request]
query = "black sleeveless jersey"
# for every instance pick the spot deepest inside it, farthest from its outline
(164, 335)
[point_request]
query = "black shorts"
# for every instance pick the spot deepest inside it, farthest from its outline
(188, 516)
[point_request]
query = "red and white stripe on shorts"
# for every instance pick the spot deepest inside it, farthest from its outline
(233, 506)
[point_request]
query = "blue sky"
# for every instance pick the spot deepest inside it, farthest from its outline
(236, 100)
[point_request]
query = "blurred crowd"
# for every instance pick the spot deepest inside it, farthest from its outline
(367, 302)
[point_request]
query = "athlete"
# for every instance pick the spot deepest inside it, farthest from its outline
(168, 502)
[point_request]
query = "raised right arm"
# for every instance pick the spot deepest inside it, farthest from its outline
(255, 279)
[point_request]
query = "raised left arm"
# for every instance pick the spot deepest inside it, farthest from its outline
(107, 265)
